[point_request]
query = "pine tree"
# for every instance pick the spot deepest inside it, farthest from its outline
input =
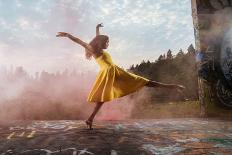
(191, 50)
(164, 56)
(132, 67)
(180, 54)
(169, 54)
(160, 57)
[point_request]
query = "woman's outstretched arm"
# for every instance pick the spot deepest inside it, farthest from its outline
(98, 29)
(76, 40)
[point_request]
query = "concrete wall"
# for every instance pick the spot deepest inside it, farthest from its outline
(212, 20)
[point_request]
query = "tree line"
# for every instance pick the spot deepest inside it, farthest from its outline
(169, 68)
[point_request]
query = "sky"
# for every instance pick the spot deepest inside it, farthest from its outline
(138, 30)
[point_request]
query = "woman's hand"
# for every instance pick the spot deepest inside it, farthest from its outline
(62, 34)
(99, 25)
(98, 29)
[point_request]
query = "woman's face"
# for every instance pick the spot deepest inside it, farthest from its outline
(106, 44)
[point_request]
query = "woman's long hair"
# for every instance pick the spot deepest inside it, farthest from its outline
(98, 44)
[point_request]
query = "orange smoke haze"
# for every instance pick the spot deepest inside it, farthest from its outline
(55, 96)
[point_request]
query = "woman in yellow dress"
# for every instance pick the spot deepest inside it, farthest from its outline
(112, 81)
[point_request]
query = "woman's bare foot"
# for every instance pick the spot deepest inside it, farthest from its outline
(180, 87)
(177, 87)
(89, 124)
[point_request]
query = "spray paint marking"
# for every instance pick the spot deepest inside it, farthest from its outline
(113, 152)
(22, 134)
(49, 152)
(31, 135)
(11, 135)
(163, 150)
(84, 151)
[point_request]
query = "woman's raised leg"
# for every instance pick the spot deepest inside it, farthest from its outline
(163, 85)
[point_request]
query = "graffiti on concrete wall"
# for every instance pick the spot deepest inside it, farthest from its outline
(213, 34)
(226, 56)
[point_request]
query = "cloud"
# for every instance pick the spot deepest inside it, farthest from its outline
(23, 23)
(3, 24)
(18, 3)
(140, 28)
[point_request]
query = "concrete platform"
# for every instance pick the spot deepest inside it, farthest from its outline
(124, 137)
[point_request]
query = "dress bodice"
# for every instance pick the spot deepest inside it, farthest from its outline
(105, 60)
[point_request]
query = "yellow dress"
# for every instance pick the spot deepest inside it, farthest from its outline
(113, 82)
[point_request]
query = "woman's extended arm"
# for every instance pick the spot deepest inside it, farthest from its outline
(98, 29)
(76, 40)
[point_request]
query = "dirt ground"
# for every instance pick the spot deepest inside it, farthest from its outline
(121, 137)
